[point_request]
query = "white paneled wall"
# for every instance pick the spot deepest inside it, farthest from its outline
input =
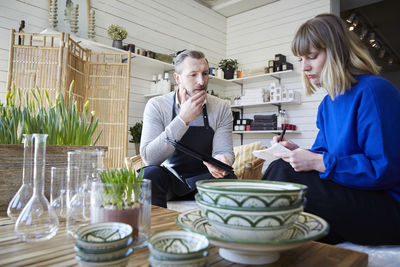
(166, 26)
(163, 26)
(254, 37)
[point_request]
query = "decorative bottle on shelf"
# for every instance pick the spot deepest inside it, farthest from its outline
(282, 119)
(24, 193)
(38, 221)
(159, 84)
(166, 84)
(153, 87)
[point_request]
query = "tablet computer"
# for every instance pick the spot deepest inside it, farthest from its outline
(200, 156)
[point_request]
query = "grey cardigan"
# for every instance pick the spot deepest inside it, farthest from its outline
(157, 126)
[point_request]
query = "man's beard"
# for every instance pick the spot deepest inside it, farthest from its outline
(190, 92)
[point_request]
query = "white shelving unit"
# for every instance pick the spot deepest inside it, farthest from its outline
(265, 132)
(255, 78)
(266, 104)
(152, 95)
(151, 62)
(258, 78)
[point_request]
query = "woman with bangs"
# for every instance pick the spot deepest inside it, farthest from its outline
(353, 168)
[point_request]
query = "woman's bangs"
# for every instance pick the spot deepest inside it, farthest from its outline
(302, 42)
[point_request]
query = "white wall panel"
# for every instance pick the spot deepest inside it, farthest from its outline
(167, 26)
(163, 26)
(254, 37)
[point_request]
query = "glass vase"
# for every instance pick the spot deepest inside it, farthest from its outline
(83, 167)
(127, 203)
(38, 220)
(24, 193)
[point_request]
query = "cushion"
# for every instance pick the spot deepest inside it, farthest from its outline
(243, 155)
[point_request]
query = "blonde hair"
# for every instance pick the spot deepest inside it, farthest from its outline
(346, 56)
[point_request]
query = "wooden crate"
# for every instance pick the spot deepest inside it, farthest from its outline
(52, 61)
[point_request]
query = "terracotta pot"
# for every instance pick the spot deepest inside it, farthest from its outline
(11, 165)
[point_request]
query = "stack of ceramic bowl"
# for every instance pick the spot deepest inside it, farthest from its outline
(178, 249)
(104, 244)
(250, 210)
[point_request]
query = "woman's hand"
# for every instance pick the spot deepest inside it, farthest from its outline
(285, 142)
(303, 160)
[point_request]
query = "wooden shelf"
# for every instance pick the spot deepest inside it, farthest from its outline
(136, 58)
(151, 62)
(263, 132)
(267, 103)
(152, 95)
(255, 78)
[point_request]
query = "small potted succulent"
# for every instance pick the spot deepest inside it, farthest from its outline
(117, 34)
(136, 134)
(228, 66)
(122, 195)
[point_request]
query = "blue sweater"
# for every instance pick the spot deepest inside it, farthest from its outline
(359, 136)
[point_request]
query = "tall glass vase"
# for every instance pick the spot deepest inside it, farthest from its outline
(38, 220)
(24, 193)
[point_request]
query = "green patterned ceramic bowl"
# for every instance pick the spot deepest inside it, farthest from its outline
(105, 255)
(105, 236)
(177, 245)
(122, 262)
(197, 262)
(198, 198)
(251, 193)
(249, 224)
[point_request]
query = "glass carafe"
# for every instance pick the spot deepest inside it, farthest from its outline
(38, 220)
(24, 193)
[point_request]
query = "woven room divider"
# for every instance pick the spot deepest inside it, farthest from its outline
(52, 61)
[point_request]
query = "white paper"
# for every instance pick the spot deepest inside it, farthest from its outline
(268, 154)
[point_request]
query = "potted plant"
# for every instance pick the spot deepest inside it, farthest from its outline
(121, 195)
(67, 127)
(117, 34)
(228, 66)
(136, 134)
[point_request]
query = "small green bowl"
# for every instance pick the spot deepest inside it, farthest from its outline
(102, 237)
(177, 245)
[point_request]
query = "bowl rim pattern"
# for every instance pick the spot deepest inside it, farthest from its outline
(177, 232)
(122, 228)
(200, 200)
(208, 185)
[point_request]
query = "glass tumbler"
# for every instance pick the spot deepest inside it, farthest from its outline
(58, 191)
(83, 167)
(127, 203)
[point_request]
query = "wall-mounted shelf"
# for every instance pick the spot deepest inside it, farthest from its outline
(151, 62)
(263, 132)
(241, 133)
(136, 58)
(152, 95)
(255, 78)
(266, 103)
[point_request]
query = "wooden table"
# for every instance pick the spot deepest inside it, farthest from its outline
(59, 250)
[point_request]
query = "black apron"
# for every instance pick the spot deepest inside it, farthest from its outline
(198, 138)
